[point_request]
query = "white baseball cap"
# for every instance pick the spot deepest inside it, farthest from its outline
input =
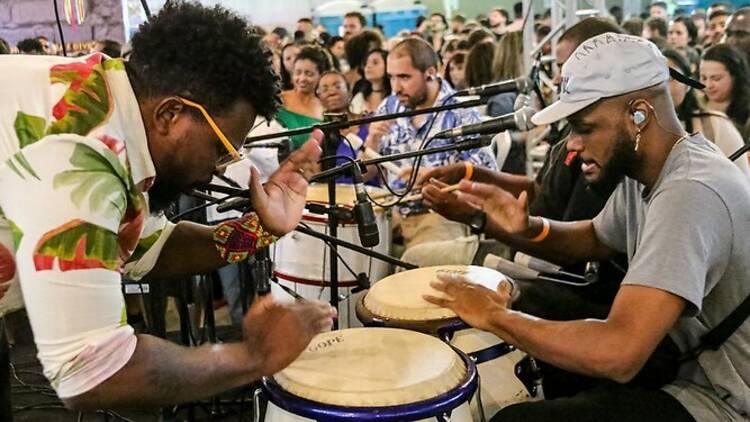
(603, 66)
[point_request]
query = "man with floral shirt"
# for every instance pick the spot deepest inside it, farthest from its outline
(92, 150)
(412, 68)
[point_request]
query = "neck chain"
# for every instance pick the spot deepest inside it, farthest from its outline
(682, 138)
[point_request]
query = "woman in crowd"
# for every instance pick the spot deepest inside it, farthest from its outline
(479, 64)
(455, 71)
(335, 96)
(374, 87)
(724, 71)
(682, 37)
(357, 48)
(301, 108)
(288, 55)
(508, 64)
(715, 126)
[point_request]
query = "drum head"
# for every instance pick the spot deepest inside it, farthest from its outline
(345, 195)
(399, 296)
(373, 367)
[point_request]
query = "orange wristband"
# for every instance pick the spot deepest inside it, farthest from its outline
(545, 231)
(469, 170)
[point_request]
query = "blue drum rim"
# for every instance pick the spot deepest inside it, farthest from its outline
(433, 407)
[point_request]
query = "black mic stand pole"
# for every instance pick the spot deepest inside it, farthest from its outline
(330, 145)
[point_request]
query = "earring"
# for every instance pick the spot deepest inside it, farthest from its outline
(637, 139)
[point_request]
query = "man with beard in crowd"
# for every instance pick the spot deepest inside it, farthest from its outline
(737, 32)
(93, 150)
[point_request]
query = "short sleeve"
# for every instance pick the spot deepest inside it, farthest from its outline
(683, 243)
(64, 198)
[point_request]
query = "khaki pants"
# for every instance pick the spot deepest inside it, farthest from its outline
(431, 239)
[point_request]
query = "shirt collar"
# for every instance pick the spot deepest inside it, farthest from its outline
(142, 168)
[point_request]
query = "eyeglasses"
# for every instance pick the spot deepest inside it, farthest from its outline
(232, 155)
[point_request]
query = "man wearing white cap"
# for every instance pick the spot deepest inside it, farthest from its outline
(681, 215)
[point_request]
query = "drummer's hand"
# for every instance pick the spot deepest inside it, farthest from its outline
(375, 132)
(446, 204)
(509, 213)
(450, 174)
(473, 303)
(280, 202)
(277, 333)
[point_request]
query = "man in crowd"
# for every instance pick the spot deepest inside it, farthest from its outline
(412, 68)
(30, 46)
(111, 144)
(498, 20)
(679, 214)
(658, 9)
(715, 29)
(738, 30)
(354, 23)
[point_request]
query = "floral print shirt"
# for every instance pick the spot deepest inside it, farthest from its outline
(74, 171)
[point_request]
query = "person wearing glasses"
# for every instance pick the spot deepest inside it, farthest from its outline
(92, 150)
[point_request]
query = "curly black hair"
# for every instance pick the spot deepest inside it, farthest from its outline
(209, 55)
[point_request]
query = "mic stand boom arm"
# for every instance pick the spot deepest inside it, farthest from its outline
(336, 126)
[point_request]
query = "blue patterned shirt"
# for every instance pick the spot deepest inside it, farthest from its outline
(405, 137)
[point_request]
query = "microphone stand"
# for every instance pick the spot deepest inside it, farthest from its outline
(334, 127)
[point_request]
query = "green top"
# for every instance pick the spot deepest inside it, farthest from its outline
(292, 120)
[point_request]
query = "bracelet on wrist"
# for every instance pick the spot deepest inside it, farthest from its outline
(544, 233)
(236, 240)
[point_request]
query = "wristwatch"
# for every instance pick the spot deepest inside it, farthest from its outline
(477, 222)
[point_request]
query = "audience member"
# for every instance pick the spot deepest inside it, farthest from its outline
(724, 71)
(498, 19)
(288, 55)
(715, 28)
(658, 9)
(109, 47)
(480, 35)
(301, 107)
(682, 37)
(715, 126)
(655, 30)
(737, 30)
(357, 48)
(305, 26)
(371, 90)
(354, 23)
(30, 46)
(458, 23)
(455, 71)
(633, 26)
(479, 64)
(517, 24)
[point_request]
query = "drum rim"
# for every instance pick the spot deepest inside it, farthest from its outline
(435, 406)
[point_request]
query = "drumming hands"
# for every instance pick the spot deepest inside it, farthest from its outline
(450, 174)
(446, 204)
(277, 333)
(509, 213)
(473, 303)
(280, 202)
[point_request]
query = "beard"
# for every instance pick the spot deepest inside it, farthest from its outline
(163, 194)
(622, 161)
(414, 100)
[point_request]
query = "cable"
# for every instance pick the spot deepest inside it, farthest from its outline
(59, 28)
(338, 255)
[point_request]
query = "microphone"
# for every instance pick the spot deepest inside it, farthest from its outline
(518, 120)
(520, 84)
(283, 144)
(242, 205)
(363, 213)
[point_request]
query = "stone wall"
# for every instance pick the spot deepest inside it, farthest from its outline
(21, 19)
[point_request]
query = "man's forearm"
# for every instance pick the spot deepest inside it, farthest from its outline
(189, 250)
(567, 242)
(513, 183)
(162, 373)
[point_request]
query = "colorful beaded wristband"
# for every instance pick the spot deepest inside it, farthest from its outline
(237, 239)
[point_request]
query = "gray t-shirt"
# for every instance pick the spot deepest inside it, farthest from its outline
(690, 236)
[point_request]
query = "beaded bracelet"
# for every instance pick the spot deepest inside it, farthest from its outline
(236, 240)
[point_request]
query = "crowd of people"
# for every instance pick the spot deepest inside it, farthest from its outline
(636, 180)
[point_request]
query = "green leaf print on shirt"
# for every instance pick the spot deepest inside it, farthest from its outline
(77, 245)
(98, 177)
(87, 102)
(29, 129)
(18, 163)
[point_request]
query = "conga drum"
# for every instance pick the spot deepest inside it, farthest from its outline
(507, 375)
(302, 263)
(368, 374)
